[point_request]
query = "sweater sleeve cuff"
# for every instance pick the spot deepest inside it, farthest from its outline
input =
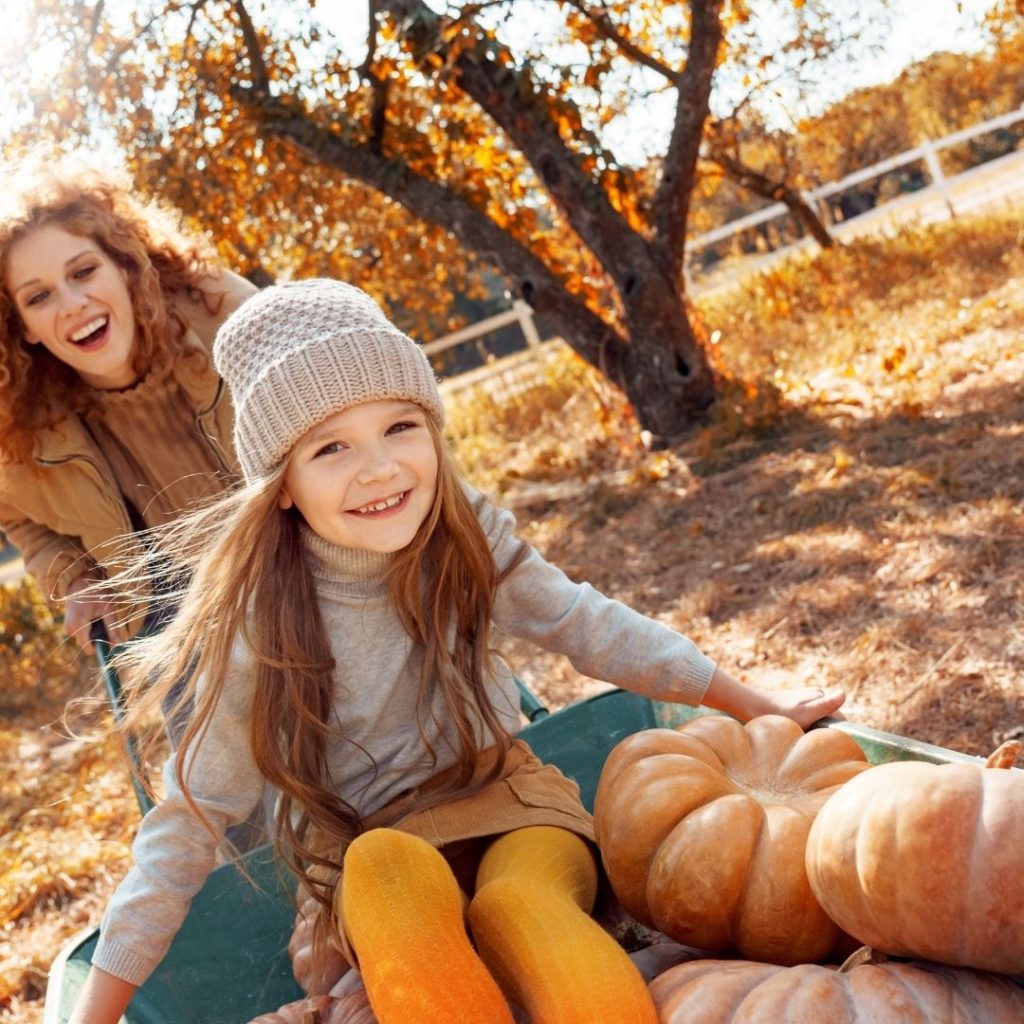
(127, 964)
(694, 679)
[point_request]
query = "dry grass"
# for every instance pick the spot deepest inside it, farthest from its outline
(852, 514)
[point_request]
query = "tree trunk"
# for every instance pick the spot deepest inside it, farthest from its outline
(661, 366)
(666, 373)
(668, 382)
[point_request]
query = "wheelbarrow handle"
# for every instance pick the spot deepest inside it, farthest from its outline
(98, 632)
(102, 651)
(529, 704)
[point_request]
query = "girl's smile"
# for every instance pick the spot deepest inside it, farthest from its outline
(74, 300)
(365, 477)
(379, 508)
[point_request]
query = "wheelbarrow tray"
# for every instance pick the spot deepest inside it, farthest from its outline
(229, 962)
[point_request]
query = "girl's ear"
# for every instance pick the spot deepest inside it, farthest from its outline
(284, 500)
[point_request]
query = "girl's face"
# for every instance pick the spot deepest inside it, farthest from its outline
(74, 300)
(365, 477)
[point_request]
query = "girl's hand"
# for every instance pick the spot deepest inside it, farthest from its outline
(83, 606)
(804, 704)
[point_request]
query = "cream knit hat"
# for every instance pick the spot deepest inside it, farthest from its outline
(296, 353)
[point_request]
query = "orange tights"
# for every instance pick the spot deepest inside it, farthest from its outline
(535, 942)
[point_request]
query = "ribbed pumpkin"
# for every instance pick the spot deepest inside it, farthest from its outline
(728, 991)
(316, 969)
(352, 1008)
(702, 832)
(927, 861)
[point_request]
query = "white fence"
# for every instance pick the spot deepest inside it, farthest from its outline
(984, 184)
(509, 368)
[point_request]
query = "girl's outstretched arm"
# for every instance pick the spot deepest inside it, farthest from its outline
(605, 639)
(103, 999)
(804, 704)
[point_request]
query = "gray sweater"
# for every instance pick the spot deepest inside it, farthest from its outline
(377, 676)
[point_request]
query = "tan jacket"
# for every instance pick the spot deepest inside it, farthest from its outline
(64, 510)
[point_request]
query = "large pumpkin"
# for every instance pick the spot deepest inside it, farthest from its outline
(345, 1003)
(730, 991)
(317, 967)
(702, 832)
(352, 1008)
(927, 860)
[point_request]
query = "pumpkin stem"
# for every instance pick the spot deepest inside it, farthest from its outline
(864, 955)
(1005, 755)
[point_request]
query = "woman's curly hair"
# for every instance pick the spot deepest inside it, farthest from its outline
(36, 388)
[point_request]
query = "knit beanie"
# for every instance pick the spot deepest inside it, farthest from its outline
(295, 353)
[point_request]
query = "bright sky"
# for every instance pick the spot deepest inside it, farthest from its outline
(919, 28)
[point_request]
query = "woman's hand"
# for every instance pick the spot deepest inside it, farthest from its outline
(804, 704)
(84, 605)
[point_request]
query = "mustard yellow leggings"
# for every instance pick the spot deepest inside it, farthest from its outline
(535, 942)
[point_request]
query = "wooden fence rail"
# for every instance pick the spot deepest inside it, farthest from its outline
(954, 194)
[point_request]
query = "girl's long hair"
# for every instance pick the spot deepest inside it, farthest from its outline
(36, 388)
(246, 578)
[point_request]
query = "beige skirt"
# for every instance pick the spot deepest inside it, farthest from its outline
(528, 792)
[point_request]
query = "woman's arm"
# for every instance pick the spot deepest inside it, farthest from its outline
(50, 558)
(103, 999)
(63, 571)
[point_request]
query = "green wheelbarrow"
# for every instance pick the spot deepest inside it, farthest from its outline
(229, 962)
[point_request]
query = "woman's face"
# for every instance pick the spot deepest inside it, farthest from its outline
(74, 300)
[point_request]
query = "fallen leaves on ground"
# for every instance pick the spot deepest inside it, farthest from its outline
(851, 515)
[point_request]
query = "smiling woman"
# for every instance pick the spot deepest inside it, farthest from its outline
(112, 418)
(74, 300)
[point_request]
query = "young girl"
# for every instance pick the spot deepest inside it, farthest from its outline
(112, 417)
(338, 624)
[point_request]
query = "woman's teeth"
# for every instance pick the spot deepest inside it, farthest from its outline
(382, 506)
(88, 330)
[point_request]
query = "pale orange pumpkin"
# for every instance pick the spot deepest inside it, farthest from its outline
(350, 1009)
(860, 992)
(702, 832)
(927, 861)
(345, 1003)
(317, 967)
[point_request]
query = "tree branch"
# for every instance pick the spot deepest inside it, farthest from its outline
(609, 31)
(671, 207)
(510, 97)
(778, 191)
(379, 86)
(431, 201)
(260, 77)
